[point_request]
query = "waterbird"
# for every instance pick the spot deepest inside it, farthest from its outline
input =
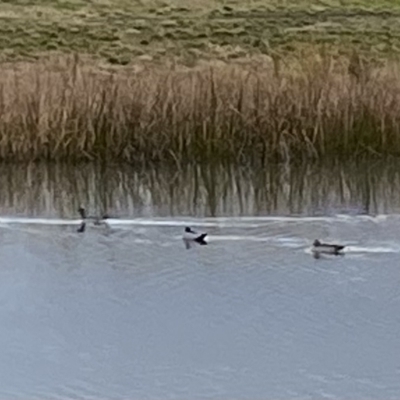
(190, 236)
(95, 219)
(81, 227)
(319, 247)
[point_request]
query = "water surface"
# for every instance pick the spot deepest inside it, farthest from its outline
(128, 312)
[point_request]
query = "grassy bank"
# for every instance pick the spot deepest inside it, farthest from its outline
(125, 31)
(153, 80)
(68, 109)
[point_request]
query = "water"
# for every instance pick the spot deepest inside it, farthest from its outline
(128, 312)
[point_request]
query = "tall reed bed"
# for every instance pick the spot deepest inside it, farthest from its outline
(69, 109)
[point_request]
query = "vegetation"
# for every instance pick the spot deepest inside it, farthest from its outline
(319, 107)
(252, 80)
(125, 31)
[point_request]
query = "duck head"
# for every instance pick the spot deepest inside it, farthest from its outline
(188, 230)
(317, 243)
(82, 212)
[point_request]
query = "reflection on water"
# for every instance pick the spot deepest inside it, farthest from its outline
(130, 313)
(58, 190)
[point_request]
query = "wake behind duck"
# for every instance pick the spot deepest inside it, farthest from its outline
(97, 220)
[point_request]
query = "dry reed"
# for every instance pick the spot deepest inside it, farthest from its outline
(68, 109)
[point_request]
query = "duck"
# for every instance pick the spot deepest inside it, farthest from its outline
(95, 219)
(319, 247)
(82, 227)
(190, 236)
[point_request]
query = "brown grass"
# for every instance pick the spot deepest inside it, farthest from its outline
(68, 109)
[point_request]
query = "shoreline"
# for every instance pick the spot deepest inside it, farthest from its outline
(244, 82)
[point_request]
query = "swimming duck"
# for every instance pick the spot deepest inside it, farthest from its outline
(81, 227)
(326, 248)
(96, 219)
(190, 236)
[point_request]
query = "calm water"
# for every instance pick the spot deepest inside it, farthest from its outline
(128, 312)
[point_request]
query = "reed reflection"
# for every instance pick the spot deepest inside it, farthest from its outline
(56, 190)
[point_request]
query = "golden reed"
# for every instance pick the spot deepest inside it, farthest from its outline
(69, 109)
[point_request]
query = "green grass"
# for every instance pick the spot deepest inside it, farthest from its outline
(122, 31)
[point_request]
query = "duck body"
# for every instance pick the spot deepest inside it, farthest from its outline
(96, 220)
(319, 247)
(82, 227)
(190, 235)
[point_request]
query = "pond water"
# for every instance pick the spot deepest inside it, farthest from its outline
(125, 311)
